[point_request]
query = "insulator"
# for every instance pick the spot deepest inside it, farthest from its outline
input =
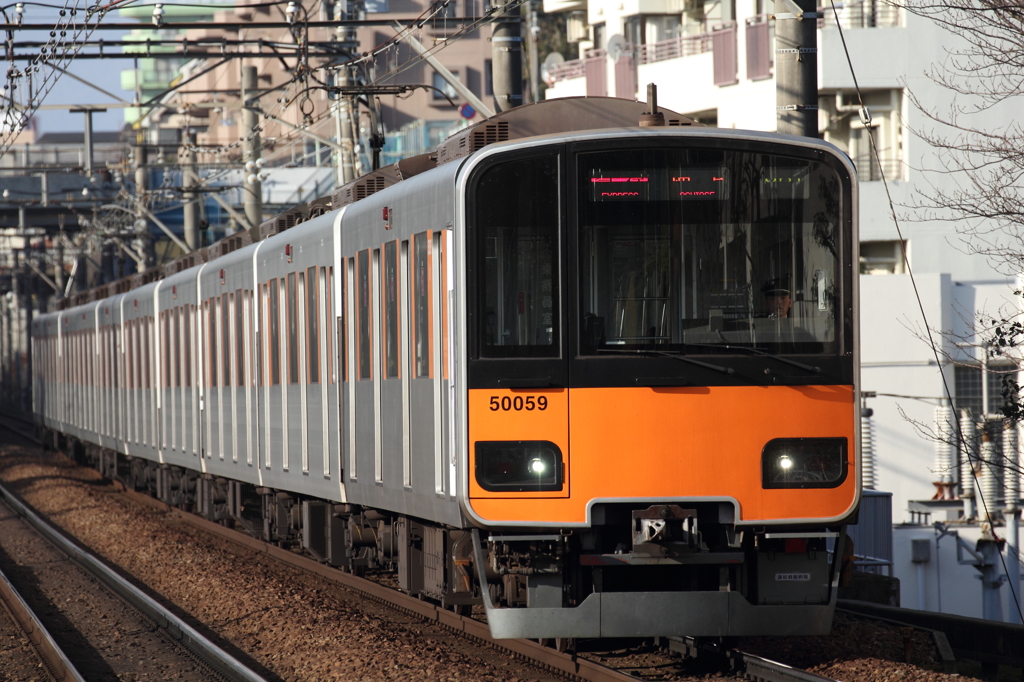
(968, 436)
(989, 477)
(867, 449)
(1011, 462)
(945, 439)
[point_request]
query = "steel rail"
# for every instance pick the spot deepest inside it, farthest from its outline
(564, 663)
(49, 652)
(767, 670)
(212, 655)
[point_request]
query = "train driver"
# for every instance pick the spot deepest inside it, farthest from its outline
(777, 298)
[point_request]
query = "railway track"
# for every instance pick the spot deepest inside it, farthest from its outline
(173, 643)
(46, 648)
(565, 664)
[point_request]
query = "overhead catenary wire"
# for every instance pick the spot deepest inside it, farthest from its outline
(917, 295)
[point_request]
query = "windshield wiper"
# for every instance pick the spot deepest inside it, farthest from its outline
(674, 356)
(757, 351)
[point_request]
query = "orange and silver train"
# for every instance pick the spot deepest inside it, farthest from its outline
(600, 378)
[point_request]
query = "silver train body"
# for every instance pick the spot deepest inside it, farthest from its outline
(314, 387)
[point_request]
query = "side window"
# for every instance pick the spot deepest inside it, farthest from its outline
(391, 305)
(274, 341)
(312, 327)
(211, 344)
(176, 332)
(515, 258)
(421, 304)
(293, 330)
(326, 284)
(225, 338)
(240, 299)
(189, 313)
(365, 315)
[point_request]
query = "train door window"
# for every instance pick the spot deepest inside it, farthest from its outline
(211, 342)
(326, 282)
(365, 316)
(313, 288)
(391, 304)
(292, 308)
(165, 349)
(144, 348)
(186, 320)
(239, 337)
(176, 334)
(516, 258)
(421, 304)
(274, 345)
(225, 337)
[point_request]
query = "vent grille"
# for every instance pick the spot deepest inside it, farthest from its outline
(491, 133)
(369, 186)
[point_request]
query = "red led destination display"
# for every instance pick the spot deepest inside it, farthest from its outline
(668, 185)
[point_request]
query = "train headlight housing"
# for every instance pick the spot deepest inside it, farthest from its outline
(518, 466)
(804, 463)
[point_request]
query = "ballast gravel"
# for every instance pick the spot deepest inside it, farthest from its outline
(300, 627)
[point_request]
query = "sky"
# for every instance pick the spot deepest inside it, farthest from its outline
(105, 73)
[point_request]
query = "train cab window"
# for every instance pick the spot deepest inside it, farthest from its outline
(365, 313)
(312, 328)
(292, 307)
(694, 250)
(516, 229)
(391, 305)
(421, 303)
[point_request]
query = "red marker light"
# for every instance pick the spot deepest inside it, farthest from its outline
(287, 252)
(385, 213)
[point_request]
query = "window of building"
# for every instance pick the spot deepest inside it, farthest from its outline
(644, 29)
(488, 77)
(443, 86)
(845, 129)
(882, 258)
(968, 383)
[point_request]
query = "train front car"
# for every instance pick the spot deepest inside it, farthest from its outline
(661, 353)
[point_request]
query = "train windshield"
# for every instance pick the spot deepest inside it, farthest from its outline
(699, 251)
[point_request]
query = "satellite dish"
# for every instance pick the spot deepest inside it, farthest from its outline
(616, 47)
(551, 61)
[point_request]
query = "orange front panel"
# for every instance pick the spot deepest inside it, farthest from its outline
(494, 416)
(670, 443)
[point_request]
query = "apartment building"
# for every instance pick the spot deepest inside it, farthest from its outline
(714, 61)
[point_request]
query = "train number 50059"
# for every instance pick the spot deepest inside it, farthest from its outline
(518, 403)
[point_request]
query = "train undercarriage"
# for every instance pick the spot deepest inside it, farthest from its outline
(641, 570)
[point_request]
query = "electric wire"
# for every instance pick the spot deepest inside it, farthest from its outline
(920, 305)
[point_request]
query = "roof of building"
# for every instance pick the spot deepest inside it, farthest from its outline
(78, 138)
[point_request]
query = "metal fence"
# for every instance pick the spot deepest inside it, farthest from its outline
(723, 39)
(674, 48)
(759, 47)
(868, 169)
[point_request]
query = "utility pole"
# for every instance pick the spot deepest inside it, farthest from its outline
(58, 265)
(343, 129)
(507, 61)
(533, 54)
(796, 67)
(190, 196)
(143, 240)
(253, 188)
